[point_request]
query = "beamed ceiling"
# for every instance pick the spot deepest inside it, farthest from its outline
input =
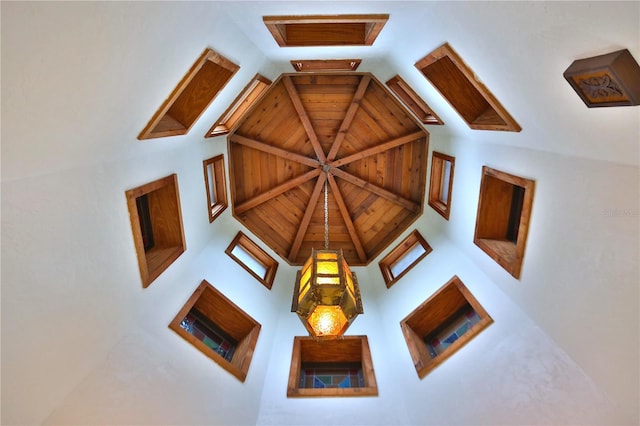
(343, 128)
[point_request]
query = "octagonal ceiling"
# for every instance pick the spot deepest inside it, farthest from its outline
(342, 128)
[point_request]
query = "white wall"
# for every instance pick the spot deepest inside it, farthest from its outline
(153, 376)
(82, 342)
(511, 373)
(277, 409)
(579, 280)
(79, 82)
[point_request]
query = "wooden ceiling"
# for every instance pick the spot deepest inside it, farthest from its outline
(343, 128)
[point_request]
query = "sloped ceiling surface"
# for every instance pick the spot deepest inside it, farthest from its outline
(347, 130)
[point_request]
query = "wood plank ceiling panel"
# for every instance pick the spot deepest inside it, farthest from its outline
(347, 129)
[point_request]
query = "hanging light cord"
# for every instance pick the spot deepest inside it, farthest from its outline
(326, 216)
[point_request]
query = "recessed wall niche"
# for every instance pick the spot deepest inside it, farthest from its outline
(403, 257)
(331, 367)
(441, 183)
(156, 223)
(215, 184)
(413, 101)
(197, 89)
(325, 30)
(320, 65)
(253, 259)
(460, 86)
(502, 222)
(442, 324)
(240, 105)
(218, 328)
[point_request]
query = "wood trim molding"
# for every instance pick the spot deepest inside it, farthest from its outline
(216, 186)
(327, 350)
(325, 30)
(258, 254)
(240, 105)
(230, 318)
(321, 65)
(386, 263)
(436, 182)
(165, 217)
(194, 93)
(502, 221)
(413, 101)
(433, 314)
(460, 86)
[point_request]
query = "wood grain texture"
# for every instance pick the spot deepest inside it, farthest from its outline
(436, 181)
(166, 225)
(193, 94)
(386, 263)
(492, 233)
(325, 30)
(460, 86)
(432, 314)
(309, 65)
(413, 101)
(258, 254)
(347, 126)
(240, 105)
(343, 349)
(230, 318)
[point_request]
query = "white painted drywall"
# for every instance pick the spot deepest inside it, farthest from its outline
(511, 373)
(82, 342)
(579, 280)
(153, 376)
(80, 80)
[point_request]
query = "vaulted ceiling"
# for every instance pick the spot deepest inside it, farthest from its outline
(343, 129)
(81, 79)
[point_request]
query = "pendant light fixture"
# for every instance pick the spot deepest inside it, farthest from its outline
(326, 296)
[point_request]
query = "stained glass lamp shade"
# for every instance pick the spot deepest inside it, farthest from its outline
(326, 296)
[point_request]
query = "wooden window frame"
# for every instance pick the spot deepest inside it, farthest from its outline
(166, 221)
(194, 93)
(434, 313)
(231, 319)
(258, 254)
(494, 214)
(309, 349)
(413, 101)
(240, 105)
(218, 186)
(386, 263)
(436, 181)
(460, 86)
(321, 65)
(325, 30)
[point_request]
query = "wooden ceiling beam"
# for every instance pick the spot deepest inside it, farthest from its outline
(304, 118)
(270, 149)
(385, 146)
(344, 211)
(348, 118)
(274, 192)
(306, 219)
(395, 198)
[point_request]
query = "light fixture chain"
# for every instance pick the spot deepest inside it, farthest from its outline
(326, 215)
